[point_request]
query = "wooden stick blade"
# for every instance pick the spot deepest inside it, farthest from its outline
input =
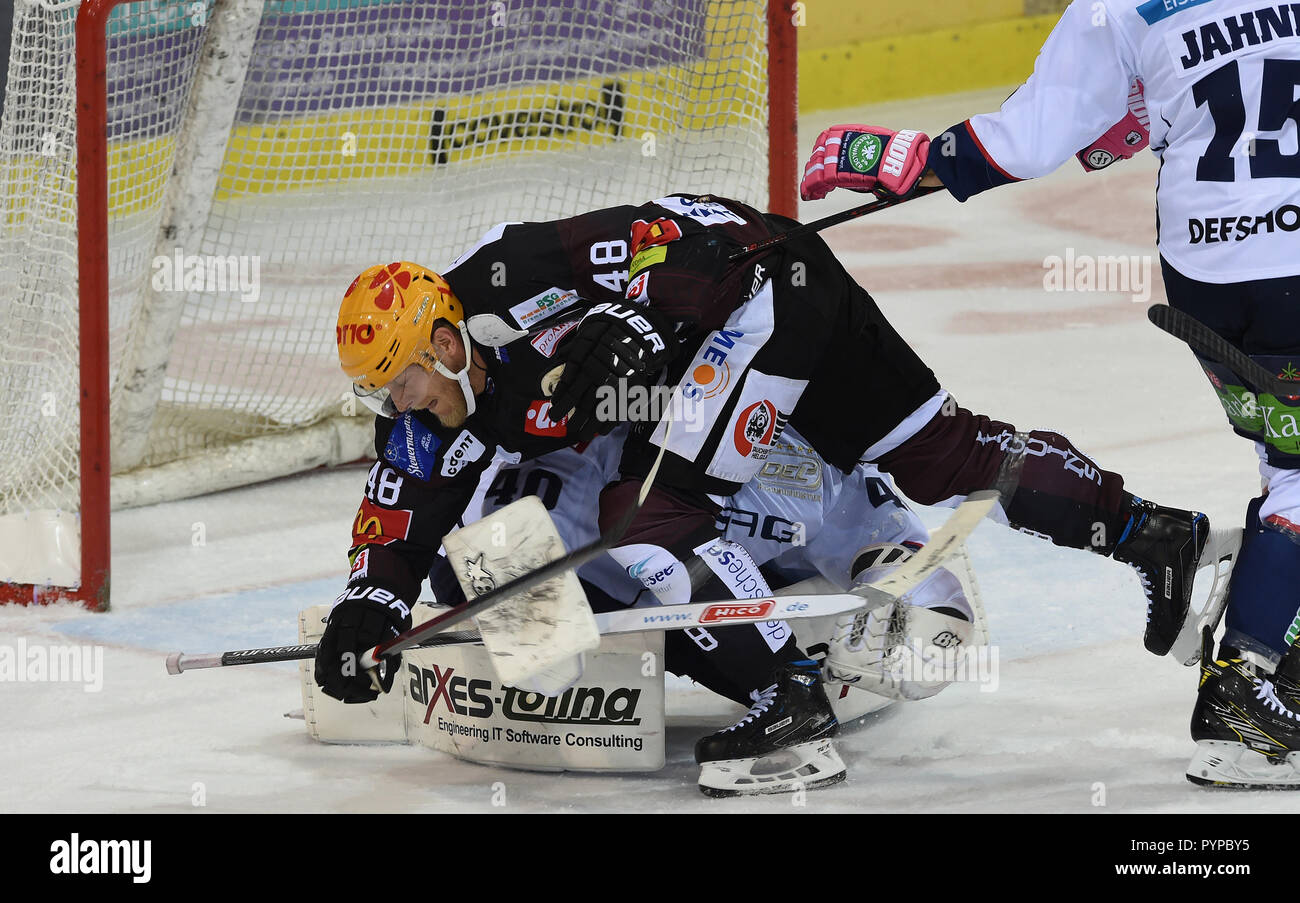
(943, 545)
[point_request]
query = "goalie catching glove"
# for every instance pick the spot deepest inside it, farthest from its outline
(900, 650)
(614, 343)
(363, 618)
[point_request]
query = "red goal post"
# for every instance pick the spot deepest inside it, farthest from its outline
(296, 142)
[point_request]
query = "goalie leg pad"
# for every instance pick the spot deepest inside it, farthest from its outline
(898, 651)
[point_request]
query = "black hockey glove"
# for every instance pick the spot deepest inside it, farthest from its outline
(615, 347)
(356, 626)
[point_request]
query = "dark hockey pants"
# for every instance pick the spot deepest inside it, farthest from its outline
(1262, 318)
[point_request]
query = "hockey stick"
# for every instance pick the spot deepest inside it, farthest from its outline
(826, 222)
(629, 620)
(568, 562)
(943, 542)
(420, 634)
(1209, 343)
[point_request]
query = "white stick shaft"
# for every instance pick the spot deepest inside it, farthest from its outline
(943, 544)
(721, 614)
(178, 662)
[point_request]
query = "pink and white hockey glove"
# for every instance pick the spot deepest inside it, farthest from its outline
(865, 158)
(1123, 139)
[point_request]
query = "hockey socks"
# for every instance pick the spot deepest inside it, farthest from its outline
(1049, 487)
(1262, 615)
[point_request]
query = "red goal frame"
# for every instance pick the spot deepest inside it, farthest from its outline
(92, 261)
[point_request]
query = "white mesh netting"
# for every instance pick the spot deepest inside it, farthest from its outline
(321, 136)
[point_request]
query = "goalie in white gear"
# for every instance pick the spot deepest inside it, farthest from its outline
(798, 519)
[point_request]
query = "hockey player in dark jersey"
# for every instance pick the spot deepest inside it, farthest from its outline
(523, 340)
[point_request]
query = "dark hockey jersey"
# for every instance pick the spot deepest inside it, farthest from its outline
(525, 286)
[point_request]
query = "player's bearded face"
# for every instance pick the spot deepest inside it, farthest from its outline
(417, 389)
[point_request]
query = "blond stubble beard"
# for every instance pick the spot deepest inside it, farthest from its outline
(456, 417)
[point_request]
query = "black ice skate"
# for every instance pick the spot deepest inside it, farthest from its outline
(1246, 726)
(783, 743)
(1165, 546)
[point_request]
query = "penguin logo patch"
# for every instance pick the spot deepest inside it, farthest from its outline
(756, 425)
(480, 580)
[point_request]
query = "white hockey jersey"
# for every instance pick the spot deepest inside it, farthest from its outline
(799, 512)
(1222, 82)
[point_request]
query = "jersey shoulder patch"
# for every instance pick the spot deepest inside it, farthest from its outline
(412, 447)
(542, 306)
(710, 213)
(419, 450)
(461, 452)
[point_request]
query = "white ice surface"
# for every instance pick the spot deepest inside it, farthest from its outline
(1080, 712)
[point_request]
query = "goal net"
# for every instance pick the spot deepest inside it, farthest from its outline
(187, 187)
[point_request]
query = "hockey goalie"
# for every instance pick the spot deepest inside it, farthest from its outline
(799, 526)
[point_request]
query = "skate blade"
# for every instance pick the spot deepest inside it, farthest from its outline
(717, 793)
(1227, 765)
(1220, 553)
(804, 766)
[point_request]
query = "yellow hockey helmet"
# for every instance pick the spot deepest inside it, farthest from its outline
(386, 322)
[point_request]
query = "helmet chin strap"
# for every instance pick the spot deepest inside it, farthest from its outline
(462, 375)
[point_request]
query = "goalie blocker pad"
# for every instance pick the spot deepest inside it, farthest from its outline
(535, 639)
(450, 699)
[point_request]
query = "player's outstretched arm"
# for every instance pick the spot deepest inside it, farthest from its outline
(1064, 107)
(1078, 91)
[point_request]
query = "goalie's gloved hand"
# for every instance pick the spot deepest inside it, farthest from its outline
(355, 627)
(617, 345)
